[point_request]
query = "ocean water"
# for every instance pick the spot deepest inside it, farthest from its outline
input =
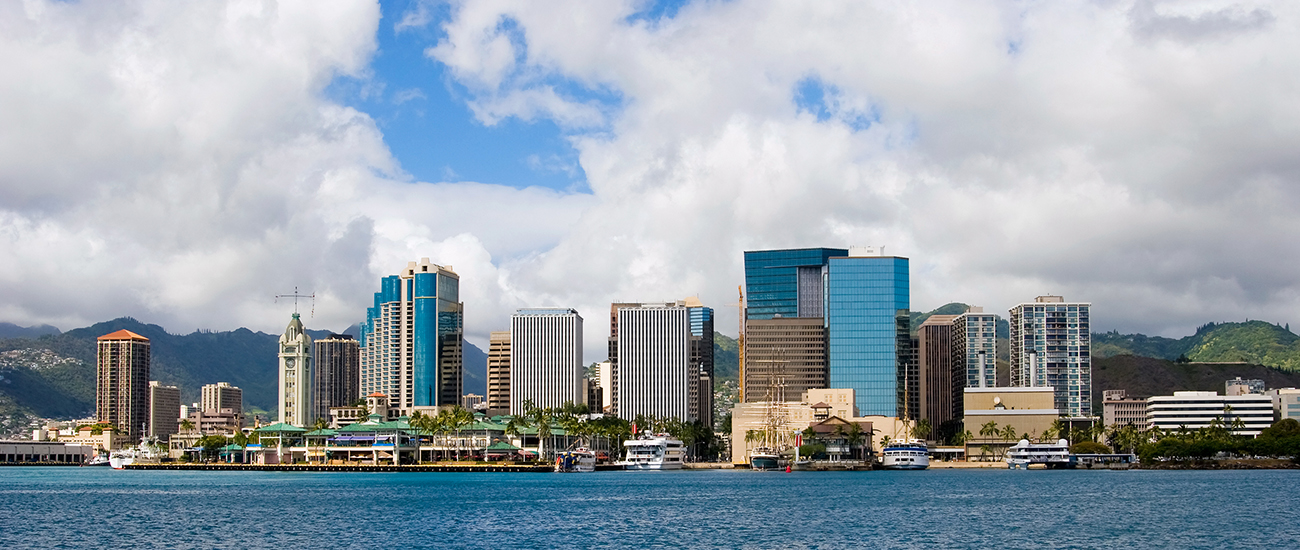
(101, 508)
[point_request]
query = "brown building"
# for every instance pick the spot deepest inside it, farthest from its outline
(164, 409)
(336, 381)
(214, 397)
(498, 373)
(122, 387)
(940, 381)
(784, 355)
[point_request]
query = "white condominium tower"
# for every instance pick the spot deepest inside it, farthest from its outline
(411, 338)
(295, 375)
(974, 347)
(654, 375)
(1051, 346)
(545, 358)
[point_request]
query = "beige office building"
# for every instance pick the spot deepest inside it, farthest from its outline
(221, 395)
(164, 409)
(1030, 410)
(498, 373)
(1120, 409)
(784, 358)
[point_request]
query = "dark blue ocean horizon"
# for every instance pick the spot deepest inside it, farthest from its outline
(101, 508)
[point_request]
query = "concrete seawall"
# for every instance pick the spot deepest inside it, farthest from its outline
(347, 467)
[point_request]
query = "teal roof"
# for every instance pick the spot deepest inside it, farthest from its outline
(322, 432)
(232, 447)
(280, 427)
(502, 446)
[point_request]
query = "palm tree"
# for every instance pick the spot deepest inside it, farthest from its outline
(1009, 433)
(186, 425)
(922, 429)
(458, 418)
(989, 429)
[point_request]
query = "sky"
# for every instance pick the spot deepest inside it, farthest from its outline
(184, 162)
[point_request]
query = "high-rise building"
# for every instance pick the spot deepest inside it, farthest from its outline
(545, 358)
(652, 365)
(863, 298)
(337, 376)
(974, 347)
(784, 357)
(869, 328)
(295, 376)
(214, 397)
(122, 382)
(164, 410)
(411, 339)
(940, 379)
(787, 283)
(701, 358)
(498, 373)
(1051, 345)
(605, 377)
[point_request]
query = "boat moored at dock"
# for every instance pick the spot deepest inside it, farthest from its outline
(1053, 455)
(654, 452)
(905, 455)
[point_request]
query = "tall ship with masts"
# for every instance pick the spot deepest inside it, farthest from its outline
(907, 452)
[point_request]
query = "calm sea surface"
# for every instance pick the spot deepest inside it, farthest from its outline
(101, 508)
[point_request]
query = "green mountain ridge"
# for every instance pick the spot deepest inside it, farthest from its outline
(1252, 342)
(53, 376)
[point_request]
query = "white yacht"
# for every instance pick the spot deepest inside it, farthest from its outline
(581, 459)
(1024, 453)
(905, 455)
(654, 452)
(147, 451)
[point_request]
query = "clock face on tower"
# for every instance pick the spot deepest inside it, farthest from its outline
(288, 362)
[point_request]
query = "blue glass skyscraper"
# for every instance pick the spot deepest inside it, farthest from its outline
(868, 329)
(411, 338)
(786, 283)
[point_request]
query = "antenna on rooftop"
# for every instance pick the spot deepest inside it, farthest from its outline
(295, 297)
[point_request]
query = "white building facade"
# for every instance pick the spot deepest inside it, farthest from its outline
(295, 375)
(1051, 345)
(654, 374)
(545, 358)
(1197, 409)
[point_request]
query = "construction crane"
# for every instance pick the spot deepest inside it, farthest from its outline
(740, 340)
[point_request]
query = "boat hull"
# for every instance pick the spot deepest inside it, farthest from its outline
(763, 462)
(905, 457)
(652, 466)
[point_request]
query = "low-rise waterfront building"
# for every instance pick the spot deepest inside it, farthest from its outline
(1118, 409)
(101, 437)
(44, 452)
(793, 417)
(1193, 410)
(991, 414)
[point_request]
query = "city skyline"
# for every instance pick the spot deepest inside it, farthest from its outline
(1107, 151)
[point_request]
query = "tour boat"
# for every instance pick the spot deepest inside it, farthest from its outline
(577, 460)
(1053, 455)
(654, 452)
(905, 455)
(764, 458)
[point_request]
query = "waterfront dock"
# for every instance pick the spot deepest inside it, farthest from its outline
(463, 468)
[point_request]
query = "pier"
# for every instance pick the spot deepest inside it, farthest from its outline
(464, 468)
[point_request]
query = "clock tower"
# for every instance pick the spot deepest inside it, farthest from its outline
(295, 375)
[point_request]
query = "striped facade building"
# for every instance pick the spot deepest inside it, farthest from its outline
(653, 372)
(122, 382)
(545, 358)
